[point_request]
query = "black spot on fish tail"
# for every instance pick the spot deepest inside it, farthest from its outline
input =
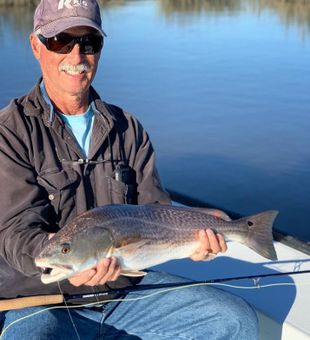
(260, 238)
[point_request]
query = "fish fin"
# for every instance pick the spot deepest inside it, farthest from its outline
(260, 237)
(132, 273)
(110, 252)
(130, 248)
(215, 212)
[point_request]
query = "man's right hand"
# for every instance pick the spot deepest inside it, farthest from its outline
(106, 270)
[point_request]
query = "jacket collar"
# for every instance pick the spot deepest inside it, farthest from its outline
(36, 106)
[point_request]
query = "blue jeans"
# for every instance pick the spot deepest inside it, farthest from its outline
(200, 312)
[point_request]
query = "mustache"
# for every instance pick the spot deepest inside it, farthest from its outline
(79, 68)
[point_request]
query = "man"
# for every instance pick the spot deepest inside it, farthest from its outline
(64, 151)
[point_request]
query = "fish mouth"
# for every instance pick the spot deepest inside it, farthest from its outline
(52, 272)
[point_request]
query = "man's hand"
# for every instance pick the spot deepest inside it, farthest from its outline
(210, 244)
(106, 270)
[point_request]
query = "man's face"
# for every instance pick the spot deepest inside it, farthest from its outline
(61, 77)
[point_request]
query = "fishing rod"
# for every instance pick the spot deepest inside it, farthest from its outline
(41, 300)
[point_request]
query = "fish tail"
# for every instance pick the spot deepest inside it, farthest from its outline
(260, 237)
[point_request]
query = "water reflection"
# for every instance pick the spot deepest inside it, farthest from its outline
(17, 19)
(291, 12)
(169, 7)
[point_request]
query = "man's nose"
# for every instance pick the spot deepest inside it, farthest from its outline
(76, 52)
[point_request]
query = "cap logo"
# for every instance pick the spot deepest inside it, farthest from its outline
(72, 3)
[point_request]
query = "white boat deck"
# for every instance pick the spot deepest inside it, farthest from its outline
(283, 308)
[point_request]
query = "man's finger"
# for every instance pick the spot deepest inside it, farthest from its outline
(222, 242)
(83, 277)
(116, 273)
(214, 242)
(204, 240)
(102, 269)
(204, 249)
(109, 276)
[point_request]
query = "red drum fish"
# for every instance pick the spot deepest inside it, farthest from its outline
(141, 236)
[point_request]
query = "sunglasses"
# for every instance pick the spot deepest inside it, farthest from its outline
(63, 43)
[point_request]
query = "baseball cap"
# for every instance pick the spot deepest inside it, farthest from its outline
(54, 16)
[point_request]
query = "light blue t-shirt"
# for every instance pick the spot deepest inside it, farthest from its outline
(81, 125)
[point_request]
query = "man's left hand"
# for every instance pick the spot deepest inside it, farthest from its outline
(210, 244)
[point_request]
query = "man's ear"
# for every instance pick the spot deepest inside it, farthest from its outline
(35, 45)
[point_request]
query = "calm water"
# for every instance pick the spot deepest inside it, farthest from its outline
(221, 86)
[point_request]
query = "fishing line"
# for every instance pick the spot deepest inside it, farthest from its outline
(96, 293)
(70, 316)
(161, 291)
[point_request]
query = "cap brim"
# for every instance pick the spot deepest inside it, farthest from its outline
(56, 27)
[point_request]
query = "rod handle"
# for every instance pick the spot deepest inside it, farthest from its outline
(30, 301)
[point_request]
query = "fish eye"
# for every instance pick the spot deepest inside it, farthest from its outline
(65, 248)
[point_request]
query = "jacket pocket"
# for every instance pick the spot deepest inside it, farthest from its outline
(61, 190)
